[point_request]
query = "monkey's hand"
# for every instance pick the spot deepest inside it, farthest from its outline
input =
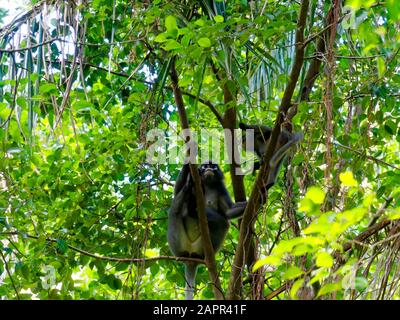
(192, 149)
(256, 166)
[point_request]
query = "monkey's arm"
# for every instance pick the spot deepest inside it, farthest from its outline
(236, 210)
(232, 210)
(182, 192)
(179, 200)
(257, 165)
(182, 178)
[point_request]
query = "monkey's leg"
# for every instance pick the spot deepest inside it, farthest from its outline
(190, 278)
(218, 226)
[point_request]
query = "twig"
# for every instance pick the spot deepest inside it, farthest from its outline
(276, 292)
(380, 211)
(29, 48)
(359, 58)
(207, 103)
(366, 234)
(367, 156)
(114, 259)
(14, 24)
(9, 274)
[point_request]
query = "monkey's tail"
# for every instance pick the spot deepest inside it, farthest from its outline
(190, 278)
(280, 153)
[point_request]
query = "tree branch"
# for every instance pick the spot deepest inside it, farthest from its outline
(259, 193)
(105, 258)
(367, 156)
(9, 274)
(201, 210)
(207, 103)
(314, 69)
(18, 21)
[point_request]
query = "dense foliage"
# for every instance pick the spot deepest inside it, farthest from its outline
(83, 213)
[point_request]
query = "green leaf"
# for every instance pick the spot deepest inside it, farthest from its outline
(200, 22)
(393, 214)
(48, 88)
(316, 195)
(171, 44)
(328, 288)
(295, 287)
(324, 259)
(62, 245)
(113, 282)
(82, 105)
(3, 290)
(204, 42)
(347, 179)
(390, 127)
(218, 18)
(369, 199)
(318, 275)
(381, 66)
(21, 101)
(286, 246)
(337, 102)
(186, 40)
(170, 23)
(271, 260)
(4, 111)
(361, 283)
(302, 249)
(292, 273)
(162, 37)
(25, 271)
(393, 9)
(306, 205)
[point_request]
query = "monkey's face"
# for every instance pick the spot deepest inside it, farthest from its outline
(210, 172)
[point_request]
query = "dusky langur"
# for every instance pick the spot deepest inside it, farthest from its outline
(184, 237)
(262, 135)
